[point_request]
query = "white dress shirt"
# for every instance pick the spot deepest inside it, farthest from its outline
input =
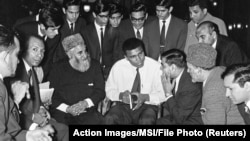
(122, 75)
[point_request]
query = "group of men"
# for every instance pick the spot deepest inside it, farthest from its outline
(86, 63)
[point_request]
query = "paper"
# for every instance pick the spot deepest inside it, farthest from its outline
(46, 95)
(44, 85)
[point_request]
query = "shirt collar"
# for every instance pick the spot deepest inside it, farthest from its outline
(177, 80)
(248, 104)
(167, 20)
(214, 44)
(27, 66)
(98, 26)
(1, 77)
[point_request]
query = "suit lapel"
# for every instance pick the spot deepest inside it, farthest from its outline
(170, 31)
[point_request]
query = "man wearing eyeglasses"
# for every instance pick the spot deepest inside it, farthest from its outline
(135, 25)
(166, 32)
(97, 39)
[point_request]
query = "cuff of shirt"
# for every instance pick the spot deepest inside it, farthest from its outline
(62, 107)
(33, 126)
(90, 103)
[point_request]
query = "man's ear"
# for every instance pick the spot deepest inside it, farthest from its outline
(146, 16)
(205, 11)
(247, 86)
(42, 26)
(170, 9)
(64, 10)
(94, 15)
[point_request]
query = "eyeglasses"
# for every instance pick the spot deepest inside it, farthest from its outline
(103, 16)
(137, 20)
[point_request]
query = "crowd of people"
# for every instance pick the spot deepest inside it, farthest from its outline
(142, 70)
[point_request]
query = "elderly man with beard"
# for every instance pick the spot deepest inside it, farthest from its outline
(78, 83)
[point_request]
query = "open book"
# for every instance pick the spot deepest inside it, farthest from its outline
(46, 92)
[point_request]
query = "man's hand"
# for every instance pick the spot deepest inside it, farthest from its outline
(44, 112)
(124, 97)
(19, 90)
(39, 119)
(141, 98)
(40, 134)
(166, 84)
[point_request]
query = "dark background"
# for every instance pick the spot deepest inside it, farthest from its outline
(235, 14)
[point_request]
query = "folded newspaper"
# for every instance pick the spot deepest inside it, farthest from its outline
(46, 92)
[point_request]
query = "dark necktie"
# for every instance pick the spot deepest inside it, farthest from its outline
(162, 37)
(36, 97)
(101, 44)
(137, 82)
(71, 28)
(138, 35)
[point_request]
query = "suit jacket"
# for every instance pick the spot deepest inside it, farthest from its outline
(175, 36)
(51, 45)
(28, 106)
(228, 52)
(65, 31)
(184, 106)
(127, 31)
(245, 116)
(93, 45)
(9, 118)
(218, 109)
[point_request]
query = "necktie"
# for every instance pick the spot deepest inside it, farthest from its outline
(36, 96)
(162, 38)
(173, 91)
(138, 35)
(101, 44)
(137, 82)
(72, 28)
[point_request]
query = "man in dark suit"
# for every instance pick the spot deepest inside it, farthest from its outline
(237, 83)
(34, 114)
(50, 21)
(9, 115)
(98, 40)
(135, 26)
(73, 23)
(228, 52)
(183, 96)
(166, 32)
(78, 83)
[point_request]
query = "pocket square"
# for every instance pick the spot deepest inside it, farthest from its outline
(90, 84)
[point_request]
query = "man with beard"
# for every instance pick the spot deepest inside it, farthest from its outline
(78, 83)
(33, 112)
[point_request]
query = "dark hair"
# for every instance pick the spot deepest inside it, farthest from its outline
(132, 43)
(137, 7)
(67, 3)
(6, 38)
(25, 41)
(50, 17)
(210, 25)
(201, 3)
(165, 3)
(100, 7)
(175, 56)
(115, 8)
(241, 73)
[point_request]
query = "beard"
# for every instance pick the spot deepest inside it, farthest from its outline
(81, 65)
